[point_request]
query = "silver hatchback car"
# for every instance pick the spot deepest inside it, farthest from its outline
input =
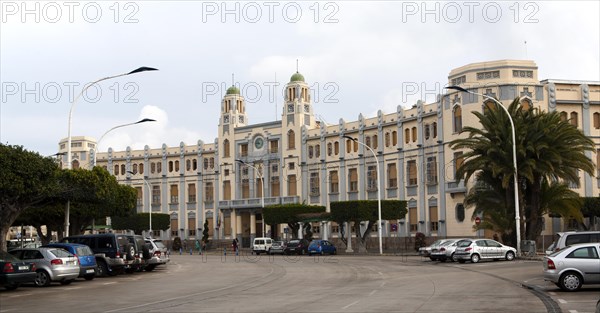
(573, 266)
(53, 264)
(475, 250)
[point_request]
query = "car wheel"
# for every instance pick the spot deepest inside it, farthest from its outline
(89, 277)
(66, 282)
(475, 258)
(570, 281)
(461, 261)
(103, 269)
(42, 279)
(11, 286)
(453, 258)
(510, 256)
(150, 268)
(146, 252)
(130, 250)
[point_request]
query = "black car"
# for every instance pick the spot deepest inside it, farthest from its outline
(14, 272)
(113, 252)
(297, 246)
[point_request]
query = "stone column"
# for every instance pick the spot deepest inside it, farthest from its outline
(233, 223)
(238, 226)
(325, 230)
(300, 230)
(349, 236)
(252, 227)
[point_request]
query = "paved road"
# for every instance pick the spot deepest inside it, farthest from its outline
(306, 284)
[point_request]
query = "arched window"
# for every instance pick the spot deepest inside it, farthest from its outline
(526, 104)
(170, 166)
(597, 120)
(457, 119)
(206, 164)
(134, 169)
(387, 139)
(159, 167)
(348, 145)
(152, 167)
(563, 116)
(414, 134)
(368, 141)
(116, 170)
(355, 146)
(329, 149)
(291, 140)
(123, 169)
(375, 142)
(310, 152)
(460, 212)
(176, 166)
(574, 120)
(407, 135)
(318, 151)
(211, 162)
(194, 164)
(188, 165)
(336, 148)
(427, 131)
(434, 129)
(394, 138)
(226, 148)
(141, 168)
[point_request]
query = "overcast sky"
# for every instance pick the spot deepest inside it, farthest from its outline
(358, 56)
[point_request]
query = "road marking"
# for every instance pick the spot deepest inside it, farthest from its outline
(573, 311)
(562, 301)
(21, 295)
(72, 288)
(349, 305)
(109, 283)
(372, 292)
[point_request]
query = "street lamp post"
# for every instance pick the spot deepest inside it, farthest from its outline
(149, 204)
(378, 190)
(93, 163)
(514, 156)
(138, 70)
(262, 194)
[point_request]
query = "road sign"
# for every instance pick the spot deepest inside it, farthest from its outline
(477, 220)
(286, 230)
(394, 227)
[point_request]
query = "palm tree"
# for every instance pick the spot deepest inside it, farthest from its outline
(553, 150)
(548, 150)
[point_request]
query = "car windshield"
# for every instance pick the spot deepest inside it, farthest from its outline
(84, 250)
(8, 257)
(277, 243)
(60, 253)
(159, 244)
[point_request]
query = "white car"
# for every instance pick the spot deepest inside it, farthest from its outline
(573, 266)
(475, 250)
(159, 254)
(426, 251)
(445, 251)
(261, 245)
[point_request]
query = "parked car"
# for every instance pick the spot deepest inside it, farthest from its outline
(87, 260)
(445, 251)
(141, 253)
(297, 246)
(573, 266)
(278, 247)
(52, 264)
(426, 251)
(15, 272)
(321, 247)
(261, 245)
(564, 239)
(159, 254)
(113, 251)
(475, 250)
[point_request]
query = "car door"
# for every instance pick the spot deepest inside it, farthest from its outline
(482, 248)
(494, 249)
(587, 260)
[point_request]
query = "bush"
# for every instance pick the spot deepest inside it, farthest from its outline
(176, 244)
(419, 241)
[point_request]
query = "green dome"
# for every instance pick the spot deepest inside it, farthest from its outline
(233, 90)
(297, 77)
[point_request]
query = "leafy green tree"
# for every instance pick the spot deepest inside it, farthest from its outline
(141, 221)
(290, 214)
(26, 180)
(366, 211)
(591, 207)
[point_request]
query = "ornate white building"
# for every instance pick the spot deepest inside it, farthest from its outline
(305, 161)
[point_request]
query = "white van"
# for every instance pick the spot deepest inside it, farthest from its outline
(564, 239)
(261, 245)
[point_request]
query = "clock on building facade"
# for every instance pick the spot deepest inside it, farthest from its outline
(259, 143)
